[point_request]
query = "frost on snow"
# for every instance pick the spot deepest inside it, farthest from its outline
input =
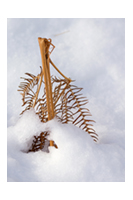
(77, 158)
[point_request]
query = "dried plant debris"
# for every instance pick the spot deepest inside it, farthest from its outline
(71, 108)
(29, 96)
(42, 143)
(67, 100)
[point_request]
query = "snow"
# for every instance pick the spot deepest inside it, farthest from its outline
(77, 158)
(90, 51)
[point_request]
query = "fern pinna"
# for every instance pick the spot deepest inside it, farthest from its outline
(66, 101)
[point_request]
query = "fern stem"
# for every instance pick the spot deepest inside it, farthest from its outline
(68, 79)
(44, 49)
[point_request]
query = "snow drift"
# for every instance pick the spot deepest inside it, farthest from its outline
(78, 157)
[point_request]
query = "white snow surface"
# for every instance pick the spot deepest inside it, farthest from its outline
(77, 158)
(90, 51)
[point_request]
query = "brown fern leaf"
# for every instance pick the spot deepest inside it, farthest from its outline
(41, 109)
(72, 100)
(26, 89)
(59, 89)
(66, 113)
(82, 112)
(62, 111)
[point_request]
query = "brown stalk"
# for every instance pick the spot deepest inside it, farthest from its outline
(68, 79)
(44, 49)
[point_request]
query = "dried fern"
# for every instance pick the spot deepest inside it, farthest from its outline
(41, 109)
(41, 143)
(29, 97)
(68, 103)
(60, 98)
(71, 109)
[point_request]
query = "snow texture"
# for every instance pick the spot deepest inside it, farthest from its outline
(90, 51)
